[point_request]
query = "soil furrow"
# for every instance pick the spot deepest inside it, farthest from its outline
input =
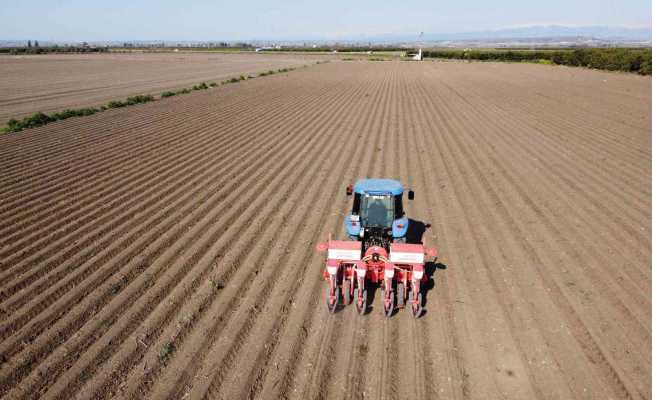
(583, 333)
(129, 240)
(164, 245)
(277, 382)
(205, 305)
(590, 143)
(94, 164)
(590, 250)
(168, 250)
(160, 270)
(322, 372)
(420, 367)
(89, 145)
(240, 352)
(125, 206)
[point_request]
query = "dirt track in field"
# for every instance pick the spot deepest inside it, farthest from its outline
(167, 250)
(54, 82)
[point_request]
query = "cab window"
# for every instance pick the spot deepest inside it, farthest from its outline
(377, 210)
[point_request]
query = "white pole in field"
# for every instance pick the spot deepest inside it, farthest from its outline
(419, 55)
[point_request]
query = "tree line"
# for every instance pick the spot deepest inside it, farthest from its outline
(53, 49)
(611, 59)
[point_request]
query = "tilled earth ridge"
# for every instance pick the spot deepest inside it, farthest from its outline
(167, 250)
(55, 82)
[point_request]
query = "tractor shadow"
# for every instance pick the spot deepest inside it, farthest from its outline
(416, 230)
(431, 268)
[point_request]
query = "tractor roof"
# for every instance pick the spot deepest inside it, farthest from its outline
(378, 186)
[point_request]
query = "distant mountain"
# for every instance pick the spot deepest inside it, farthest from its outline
(531, 32)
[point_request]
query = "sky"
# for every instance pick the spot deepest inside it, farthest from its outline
(89, 20)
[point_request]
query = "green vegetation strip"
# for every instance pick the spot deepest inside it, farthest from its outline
(40, 119)
(611, 59)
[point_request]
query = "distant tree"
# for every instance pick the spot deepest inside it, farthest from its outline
(29, 44)
(36, 43)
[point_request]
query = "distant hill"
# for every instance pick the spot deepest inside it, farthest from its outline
(599, 33)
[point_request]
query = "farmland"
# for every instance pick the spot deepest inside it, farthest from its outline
(55, 82)
(167, 250)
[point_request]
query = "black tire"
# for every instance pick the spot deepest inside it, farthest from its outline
(400, 295)
(362, 309)
(346, 292)
(388, 310)
(332, 307)
(418, 310)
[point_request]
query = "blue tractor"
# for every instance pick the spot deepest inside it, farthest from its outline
(377, 217)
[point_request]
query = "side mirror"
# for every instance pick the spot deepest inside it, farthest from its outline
(410, 195)
(349, 190)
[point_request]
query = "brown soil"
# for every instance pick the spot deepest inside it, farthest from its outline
(167, 250)
(54, 82)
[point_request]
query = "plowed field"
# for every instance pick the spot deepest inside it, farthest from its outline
(166, 250)
(51, 83)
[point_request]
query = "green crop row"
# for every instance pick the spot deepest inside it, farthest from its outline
(131, 101)
(204, 85)
(39, 118)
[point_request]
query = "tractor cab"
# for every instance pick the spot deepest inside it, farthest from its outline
(377, 217)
